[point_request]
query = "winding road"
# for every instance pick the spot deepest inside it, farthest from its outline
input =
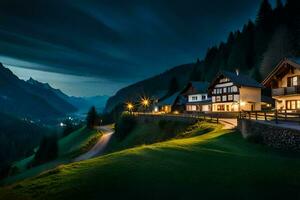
(228, 123)
(99, 146)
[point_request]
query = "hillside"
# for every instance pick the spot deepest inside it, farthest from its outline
(28, 99)
(155, 87)
(69, 147)
(255, 50)
(219, 164)
(18, 138)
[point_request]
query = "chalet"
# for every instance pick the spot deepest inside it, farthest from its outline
(284, 81)
(167, 105)
(197, 97)
(234, 92)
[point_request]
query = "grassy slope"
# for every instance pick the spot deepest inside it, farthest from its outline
(70, 146)
(218, 164)
(148, 133)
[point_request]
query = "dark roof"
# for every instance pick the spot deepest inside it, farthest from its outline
(201, 87)
(241, 79)
(281, 67)
(170, 100)
(267, 99)
(295, 60)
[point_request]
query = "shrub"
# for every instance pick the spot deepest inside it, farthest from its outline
(124, 126)
(92, 118)
(48, 150)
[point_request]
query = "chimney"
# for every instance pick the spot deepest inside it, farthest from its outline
(237, 72)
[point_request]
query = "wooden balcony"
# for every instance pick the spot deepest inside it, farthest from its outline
(286, 91)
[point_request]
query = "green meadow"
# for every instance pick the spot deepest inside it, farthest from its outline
(202, 162)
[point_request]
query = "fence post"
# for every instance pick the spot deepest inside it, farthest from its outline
(265, 115)
(249, 114)
(255, 115)
(285, 115)
(217, 118)
(276, 116)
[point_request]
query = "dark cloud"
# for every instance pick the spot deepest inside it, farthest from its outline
(121, 41)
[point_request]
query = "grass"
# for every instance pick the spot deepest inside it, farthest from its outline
(71, 146)
(218, 164)
(149, 133)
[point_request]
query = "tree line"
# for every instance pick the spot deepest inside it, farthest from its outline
(258, 46)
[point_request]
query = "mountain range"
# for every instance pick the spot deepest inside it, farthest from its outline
(36, 100)
(154, 87)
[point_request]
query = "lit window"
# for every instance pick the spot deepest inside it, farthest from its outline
(224, 98)
(224, 90)
(218, 98)
(288, 105)
(230, 97)
(229, 89)
(213, 99)
(295, 81)
(293, 105)
(236, 97)
(227, 107)
(234, 89)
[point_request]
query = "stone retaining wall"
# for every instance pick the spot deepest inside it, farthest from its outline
(270, 134)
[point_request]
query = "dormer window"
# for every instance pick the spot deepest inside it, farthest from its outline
(293, 81)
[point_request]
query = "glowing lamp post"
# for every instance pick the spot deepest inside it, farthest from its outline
(130, 107)
(145, 102)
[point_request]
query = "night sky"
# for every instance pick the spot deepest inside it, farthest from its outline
(96, 47)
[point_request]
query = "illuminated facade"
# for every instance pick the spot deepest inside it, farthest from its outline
(284, 81)
(197, 97)
(232, 92)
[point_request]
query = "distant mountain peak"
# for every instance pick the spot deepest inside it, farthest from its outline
(37, 83)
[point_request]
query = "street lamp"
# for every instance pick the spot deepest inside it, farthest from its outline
(145, 102)
(130, 107)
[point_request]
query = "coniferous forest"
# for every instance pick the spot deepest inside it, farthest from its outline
(259, 45)
(254, 50)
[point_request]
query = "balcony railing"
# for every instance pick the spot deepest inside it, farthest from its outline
(286, 91)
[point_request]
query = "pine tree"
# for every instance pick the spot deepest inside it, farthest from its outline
(47, 151)
(174, 86)
(195, 74)
(264, 15)
(264, 26)
(92, 118)
(279, 47)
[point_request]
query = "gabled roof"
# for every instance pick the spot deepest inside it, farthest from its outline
(238, 79)
(280, 67)
(201, 87)
(170, 100)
